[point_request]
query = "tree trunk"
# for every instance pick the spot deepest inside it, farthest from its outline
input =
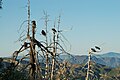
(53, 57)
(89, 57)
(32, 53)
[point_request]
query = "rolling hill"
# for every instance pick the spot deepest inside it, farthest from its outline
(110, 59)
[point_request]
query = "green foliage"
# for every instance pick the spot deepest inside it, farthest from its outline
(12, 74)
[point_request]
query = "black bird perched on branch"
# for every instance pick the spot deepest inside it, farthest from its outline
(97, 47)
(54, 29)
(93, 50)
(34, 24)
(25, 45)
(0, 4)
(43, 33)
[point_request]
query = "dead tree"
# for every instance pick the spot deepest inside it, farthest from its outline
(54, 55)
(47, 54)
(48, 50)
(32, 53)
(88, 69)
(31, 45)
(89, 63)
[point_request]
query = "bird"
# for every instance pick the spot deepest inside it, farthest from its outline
(43, 33)
(54, 29)
(25, 44)
(93, 50)
(0, 4)
(97, 47)
(34, 24)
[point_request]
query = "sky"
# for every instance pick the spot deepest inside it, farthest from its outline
(93, 22)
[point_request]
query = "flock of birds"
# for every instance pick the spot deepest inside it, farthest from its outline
(44, 33)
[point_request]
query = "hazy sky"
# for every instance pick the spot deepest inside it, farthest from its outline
(93, 22)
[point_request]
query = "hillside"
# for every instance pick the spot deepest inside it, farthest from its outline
(110, 59)
(110, 54)
(75, 71)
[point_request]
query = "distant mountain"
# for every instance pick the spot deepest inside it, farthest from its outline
(111, 54)
(110, 59)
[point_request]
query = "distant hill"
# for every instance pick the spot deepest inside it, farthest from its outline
(111, 54)
(110, 59)
(74, 71)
